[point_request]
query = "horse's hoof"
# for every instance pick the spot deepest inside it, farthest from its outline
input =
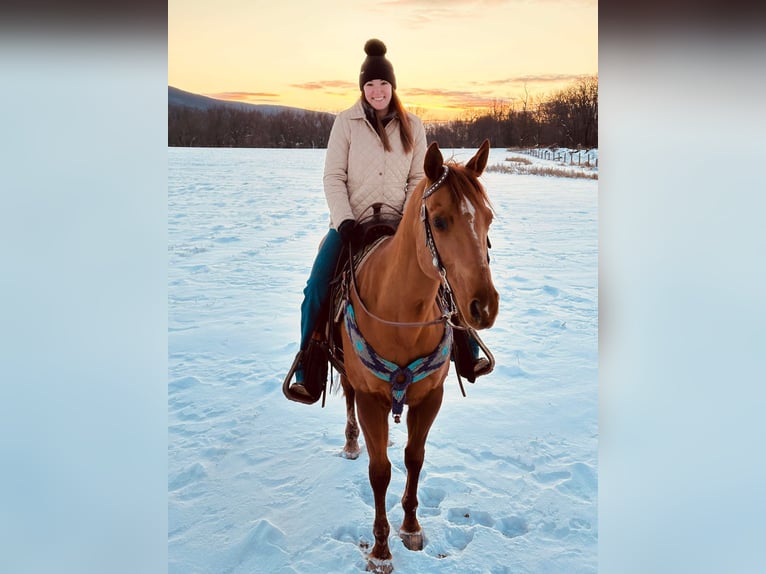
(351, 453)
(412, 540)
(379, 566)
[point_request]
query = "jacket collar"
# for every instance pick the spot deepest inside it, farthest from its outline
(357, 111)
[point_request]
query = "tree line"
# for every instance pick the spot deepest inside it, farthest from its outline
(568, 118)
(228, 126)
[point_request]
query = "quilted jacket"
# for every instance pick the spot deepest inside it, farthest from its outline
(359, 172)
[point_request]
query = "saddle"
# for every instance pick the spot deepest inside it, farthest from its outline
(325, 349)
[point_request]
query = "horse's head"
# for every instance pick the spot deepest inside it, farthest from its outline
(457, 219)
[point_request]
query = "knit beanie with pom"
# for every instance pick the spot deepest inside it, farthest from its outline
(375, 65)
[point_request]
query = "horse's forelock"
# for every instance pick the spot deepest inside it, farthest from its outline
(465, 184)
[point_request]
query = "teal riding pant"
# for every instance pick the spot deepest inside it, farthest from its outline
(317, 288)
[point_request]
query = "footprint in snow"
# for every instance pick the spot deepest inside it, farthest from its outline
(582, 483)
(189, 475)
(512, 526)
(459, 538)
(464, 516)
(430, 498)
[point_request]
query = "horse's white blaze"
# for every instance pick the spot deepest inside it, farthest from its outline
(469, 210)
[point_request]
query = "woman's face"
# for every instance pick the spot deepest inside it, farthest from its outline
(378, 95)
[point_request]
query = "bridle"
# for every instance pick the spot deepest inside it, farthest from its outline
(447, 300)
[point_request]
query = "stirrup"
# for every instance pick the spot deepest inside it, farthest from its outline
(289, 391)
(483, 366)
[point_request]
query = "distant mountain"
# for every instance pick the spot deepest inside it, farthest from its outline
(199, 121)
(181, 98)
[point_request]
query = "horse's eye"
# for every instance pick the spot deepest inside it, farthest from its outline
(440, 223)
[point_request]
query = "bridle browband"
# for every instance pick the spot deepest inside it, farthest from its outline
(437, 184)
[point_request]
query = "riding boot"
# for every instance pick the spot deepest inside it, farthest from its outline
(298, 386)
(480, 364)
(312, 363)
(468, 363)
(310, 368)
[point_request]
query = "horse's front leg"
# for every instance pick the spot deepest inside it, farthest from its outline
(419, 421)
(351, 449)
(373, 416)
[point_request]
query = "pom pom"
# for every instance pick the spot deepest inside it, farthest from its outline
(375, 47)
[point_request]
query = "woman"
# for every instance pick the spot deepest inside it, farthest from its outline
(374, 155)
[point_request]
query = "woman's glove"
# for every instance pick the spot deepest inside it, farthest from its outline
(346, 230)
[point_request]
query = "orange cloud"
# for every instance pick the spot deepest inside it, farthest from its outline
(456, 99)
(245, 96)
(325, 85)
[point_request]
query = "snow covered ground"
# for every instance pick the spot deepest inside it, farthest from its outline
(256, 483)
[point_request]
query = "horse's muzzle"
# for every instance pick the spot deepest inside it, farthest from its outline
(482, 310)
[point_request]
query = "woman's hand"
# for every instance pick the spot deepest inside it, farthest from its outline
(346, 230)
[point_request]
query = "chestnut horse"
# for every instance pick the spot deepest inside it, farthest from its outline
(394, 321)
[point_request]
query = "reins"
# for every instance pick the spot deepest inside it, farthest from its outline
(444, 318)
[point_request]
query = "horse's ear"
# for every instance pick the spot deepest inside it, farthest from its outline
(479, 161)
(433, 162)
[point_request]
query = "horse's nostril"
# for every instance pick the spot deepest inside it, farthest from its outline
(475, 310)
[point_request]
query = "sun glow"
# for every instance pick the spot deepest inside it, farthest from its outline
(450, 62)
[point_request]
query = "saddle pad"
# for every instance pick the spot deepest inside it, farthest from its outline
(342, 282)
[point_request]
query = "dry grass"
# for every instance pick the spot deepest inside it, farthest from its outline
(517, 159)
(526, 168)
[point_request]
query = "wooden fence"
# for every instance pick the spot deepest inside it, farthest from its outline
(587, 158)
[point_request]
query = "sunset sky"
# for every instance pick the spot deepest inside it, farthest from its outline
(448, 55)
